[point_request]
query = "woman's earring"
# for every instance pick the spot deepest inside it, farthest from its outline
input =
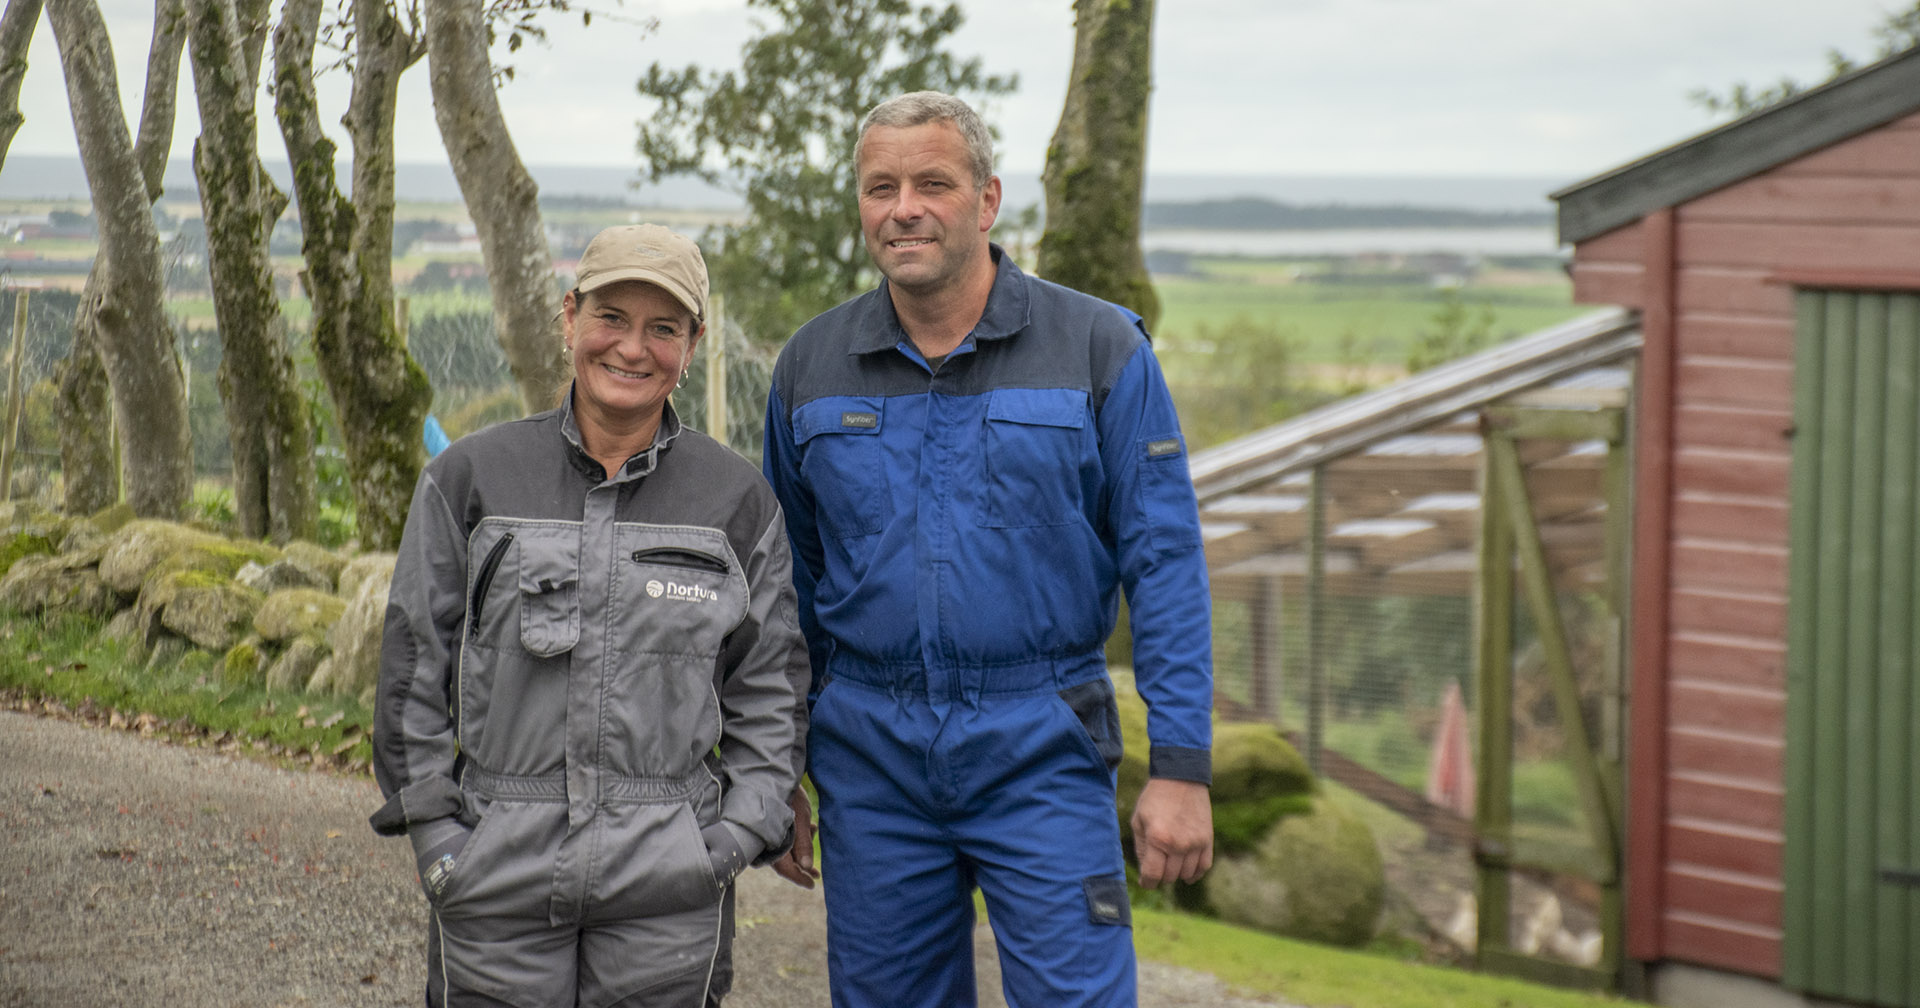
(683, 380)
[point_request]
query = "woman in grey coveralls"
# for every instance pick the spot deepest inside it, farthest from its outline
(589, 715)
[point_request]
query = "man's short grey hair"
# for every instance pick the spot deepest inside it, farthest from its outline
(918, 108)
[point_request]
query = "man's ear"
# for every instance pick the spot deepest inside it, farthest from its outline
(989, 204)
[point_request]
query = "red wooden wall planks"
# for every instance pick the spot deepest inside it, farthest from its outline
(1852, 208)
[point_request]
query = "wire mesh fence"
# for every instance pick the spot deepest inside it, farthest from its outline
(1349, 603)
(39, 328)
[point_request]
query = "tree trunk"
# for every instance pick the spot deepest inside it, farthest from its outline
(89, 477)
(501, 197)
(379, 392)
(271, 445)
(126, 307)
(16, 36)
(1096, 165)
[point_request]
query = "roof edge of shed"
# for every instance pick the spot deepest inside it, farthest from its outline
(1836, 110)
(1414, 402)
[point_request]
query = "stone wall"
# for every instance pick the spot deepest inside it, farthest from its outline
(295, 618)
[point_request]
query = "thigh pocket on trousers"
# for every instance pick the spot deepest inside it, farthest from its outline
(1107, 901)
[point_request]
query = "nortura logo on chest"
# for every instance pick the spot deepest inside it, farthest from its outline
(680, 593)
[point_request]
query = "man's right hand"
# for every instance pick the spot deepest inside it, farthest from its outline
(796, 865)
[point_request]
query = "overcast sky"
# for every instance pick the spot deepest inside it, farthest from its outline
(1260, 87)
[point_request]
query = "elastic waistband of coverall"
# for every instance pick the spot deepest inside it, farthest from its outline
(553, 787)
(981, 680)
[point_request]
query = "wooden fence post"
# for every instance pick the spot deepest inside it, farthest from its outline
(13, 393)
(717, 369)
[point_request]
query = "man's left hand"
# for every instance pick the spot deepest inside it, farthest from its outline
(1173, 831)
(796, 865)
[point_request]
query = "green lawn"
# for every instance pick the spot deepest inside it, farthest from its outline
(1320, 976)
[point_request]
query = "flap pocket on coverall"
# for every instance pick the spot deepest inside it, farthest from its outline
(549, 578)
(843, 461)
(1036, 446)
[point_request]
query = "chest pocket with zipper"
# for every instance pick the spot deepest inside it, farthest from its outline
(678, 592)
(523, 623)
(526, 587)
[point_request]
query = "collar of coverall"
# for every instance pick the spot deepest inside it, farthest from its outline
(588, 465)
(1006, 315)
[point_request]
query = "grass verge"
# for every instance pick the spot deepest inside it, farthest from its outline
(1320, 976)
(64, 666)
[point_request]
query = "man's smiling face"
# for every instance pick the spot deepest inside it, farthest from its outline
(924, 218)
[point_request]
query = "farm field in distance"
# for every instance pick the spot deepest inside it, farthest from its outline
(1332, 306)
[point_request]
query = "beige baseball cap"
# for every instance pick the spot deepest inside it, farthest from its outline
(646, 252)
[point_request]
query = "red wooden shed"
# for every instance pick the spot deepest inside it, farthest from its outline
(1772, 829)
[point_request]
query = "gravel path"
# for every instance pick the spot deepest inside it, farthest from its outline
(136, 872)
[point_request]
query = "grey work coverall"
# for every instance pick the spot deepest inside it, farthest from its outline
(590, 695)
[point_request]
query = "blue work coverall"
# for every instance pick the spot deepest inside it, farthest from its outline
(961, 537)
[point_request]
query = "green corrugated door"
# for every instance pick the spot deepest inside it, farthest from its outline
(1852, 886)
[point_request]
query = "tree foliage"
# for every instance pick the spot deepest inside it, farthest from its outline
(1898, 33)
(1454, 331)
(780, 130)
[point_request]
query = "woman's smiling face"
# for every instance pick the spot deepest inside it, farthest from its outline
(631, 342)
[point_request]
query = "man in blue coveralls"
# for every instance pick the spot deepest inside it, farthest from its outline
(973, 464)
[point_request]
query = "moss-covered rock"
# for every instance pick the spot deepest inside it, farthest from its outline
(295, 611)
(245, 663)
(1253, 760)
(317, 559)
(84, 538)
(134, 629)
(52, 584)
(214, 559)
(144, 550)
(137, 547)
(378, 566)
(355, 637)
(112, 518)
(206, 609)
(1315, 876)
(167, 650)
(24, 543)
(1258, 776)
(283, 574)
(291, 671)
(321, 681)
